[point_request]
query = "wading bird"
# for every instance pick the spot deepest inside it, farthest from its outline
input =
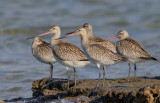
(131, 50)
(66, 53)
(96, 53)
(43, 53)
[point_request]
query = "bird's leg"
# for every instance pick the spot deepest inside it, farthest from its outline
(98, 65)
(135, 68)
(75, 76)
(129, 72)
(104, 74)
(68, 75)
(51, 71)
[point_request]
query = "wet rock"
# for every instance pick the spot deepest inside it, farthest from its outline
(144, 90)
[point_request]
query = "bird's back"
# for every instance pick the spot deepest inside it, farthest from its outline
(43, 53)
(131, 49)
(100, 54)
(68, 52)
(109, 45)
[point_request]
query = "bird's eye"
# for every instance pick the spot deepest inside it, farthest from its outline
(120, 33)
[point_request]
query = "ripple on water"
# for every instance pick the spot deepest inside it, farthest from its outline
(27, 81)
(11, 76)
(15, 89)
(17, 71)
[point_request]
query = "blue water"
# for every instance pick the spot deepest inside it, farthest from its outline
(21, 19)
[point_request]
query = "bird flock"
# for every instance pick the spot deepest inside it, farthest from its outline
(95, 50)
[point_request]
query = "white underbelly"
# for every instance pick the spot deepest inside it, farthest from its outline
(72, 64)
(76, 64)
(135, 60)
(45, 59)
(103, 62)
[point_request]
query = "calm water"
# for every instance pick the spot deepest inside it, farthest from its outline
(21, 19)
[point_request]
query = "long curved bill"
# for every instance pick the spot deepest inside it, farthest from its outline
(30, 38)
(44, 33)
(111, 38)
(67, 35)
(39, 35)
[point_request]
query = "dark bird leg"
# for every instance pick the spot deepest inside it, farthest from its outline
(75, 76)
(135, 68)
(129, 72)
(51, 70)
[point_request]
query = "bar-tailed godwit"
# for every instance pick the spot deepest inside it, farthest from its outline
(43, 53)
(66, 53)
(131, 49)
(96, 53)
(96, 40)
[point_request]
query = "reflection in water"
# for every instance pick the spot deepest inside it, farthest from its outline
(20, 19)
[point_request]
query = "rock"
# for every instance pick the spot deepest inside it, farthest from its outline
(144, 90)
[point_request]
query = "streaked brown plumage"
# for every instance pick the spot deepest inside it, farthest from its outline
(73, 53)
(66, 53)
(96, 40)
(43, 53)
(96, 53)
(102, 55)
(135, 49)
(131, 49)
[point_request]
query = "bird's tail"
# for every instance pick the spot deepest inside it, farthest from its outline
(149, 58)
(154, 59)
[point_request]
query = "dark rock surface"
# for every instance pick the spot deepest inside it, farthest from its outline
(144, 90)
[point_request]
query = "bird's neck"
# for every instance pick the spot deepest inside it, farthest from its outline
(84, 40)
(124, 38)
(90, 34)
(54, 39)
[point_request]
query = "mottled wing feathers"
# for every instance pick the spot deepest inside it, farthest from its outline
(43, 49)
(97, 39)
(131, 49)
(69, 52)
(107, 44)
(100, 53)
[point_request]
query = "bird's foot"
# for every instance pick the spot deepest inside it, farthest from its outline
(135, 79)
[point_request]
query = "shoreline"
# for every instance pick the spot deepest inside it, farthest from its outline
(144, 90)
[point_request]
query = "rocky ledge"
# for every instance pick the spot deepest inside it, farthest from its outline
(144, 90)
